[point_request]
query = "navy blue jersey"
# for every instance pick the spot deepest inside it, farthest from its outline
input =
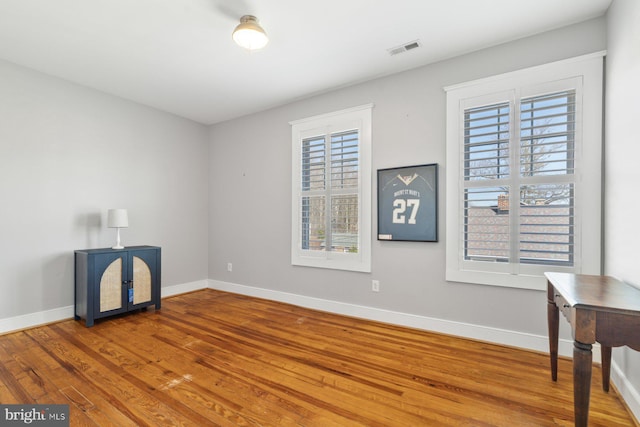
(407, 205)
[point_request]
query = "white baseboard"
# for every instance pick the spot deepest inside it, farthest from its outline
(626, 390)
(170, 291)
(38, 318)
(11, 324)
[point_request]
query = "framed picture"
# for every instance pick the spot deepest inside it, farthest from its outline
(408, 203)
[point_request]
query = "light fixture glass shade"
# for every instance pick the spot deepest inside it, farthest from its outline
(117, 218)
(249, 34)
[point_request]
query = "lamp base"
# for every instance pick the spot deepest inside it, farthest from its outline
(118, 245)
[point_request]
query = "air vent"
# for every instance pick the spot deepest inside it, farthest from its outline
(404, 48)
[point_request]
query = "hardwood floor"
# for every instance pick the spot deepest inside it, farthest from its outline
(214, 358)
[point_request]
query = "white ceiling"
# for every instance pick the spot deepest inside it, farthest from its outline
(178, 56)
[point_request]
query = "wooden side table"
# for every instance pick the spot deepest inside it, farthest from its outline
(600, 309)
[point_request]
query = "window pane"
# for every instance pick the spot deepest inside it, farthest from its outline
(344, 223)
(547, 129)
(344, 160)
(486, 224)
(313, 223)
(313, 164)
(486, 142)
(546, 224)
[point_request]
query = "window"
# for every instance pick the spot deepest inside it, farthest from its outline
(524, 174)
(331, 191)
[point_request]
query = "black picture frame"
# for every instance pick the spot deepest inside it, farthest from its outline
(408, 203)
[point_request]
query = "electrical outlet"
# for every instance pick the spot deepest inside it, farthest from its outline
(375, 285)
(229, 266)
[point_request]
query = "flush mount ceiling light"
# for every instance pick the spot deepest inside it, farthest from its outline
(249, 34)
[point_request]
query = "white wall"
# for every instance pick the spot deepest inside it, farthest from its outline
(622, 175)
(67, 154)
(250, 219)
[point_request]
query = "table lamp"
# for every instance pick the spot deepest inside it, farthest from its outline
(117, 218)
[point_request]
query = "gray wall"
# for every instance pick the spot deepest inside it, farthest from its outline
(250, 188)
(67, 154)
(622, 205)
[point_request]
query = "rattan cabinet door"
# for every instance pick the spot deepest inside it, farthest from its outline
(144, 276)
(111, 287)
(141, 281)
(110, 283)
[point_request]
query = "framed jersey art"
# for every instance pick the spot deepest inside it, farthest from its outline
(408, 203)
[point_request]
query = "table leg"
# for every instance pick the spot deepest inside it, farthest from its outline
(606, 367)
(553, 325)
(582, 359)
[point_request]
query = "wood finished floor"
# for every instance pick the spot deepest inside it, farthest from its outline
(214, 358)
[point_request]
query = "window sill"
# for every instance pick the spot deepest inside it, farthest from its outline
(348, 262)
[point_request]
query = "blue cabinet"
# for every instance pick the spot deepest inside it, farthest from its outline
(113, 281)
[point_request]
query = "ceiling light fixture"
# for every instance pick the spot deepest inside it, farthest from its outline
(249, 34)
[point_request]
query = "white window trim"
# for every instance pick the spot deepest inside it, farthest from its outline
(589, 70)
(351, 118)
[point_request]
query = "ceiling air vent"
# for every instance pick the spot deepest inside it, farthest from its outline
(404, 48)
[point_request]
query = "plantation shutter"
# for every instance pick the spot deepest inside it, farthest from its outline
(536, 224)
(486, 181)
(313, 190)
(344, 191)
(547, 160)
(330, 186)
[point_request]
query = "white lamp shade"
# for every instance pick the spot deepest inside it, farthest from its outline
(117, 218)
(249, 34)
